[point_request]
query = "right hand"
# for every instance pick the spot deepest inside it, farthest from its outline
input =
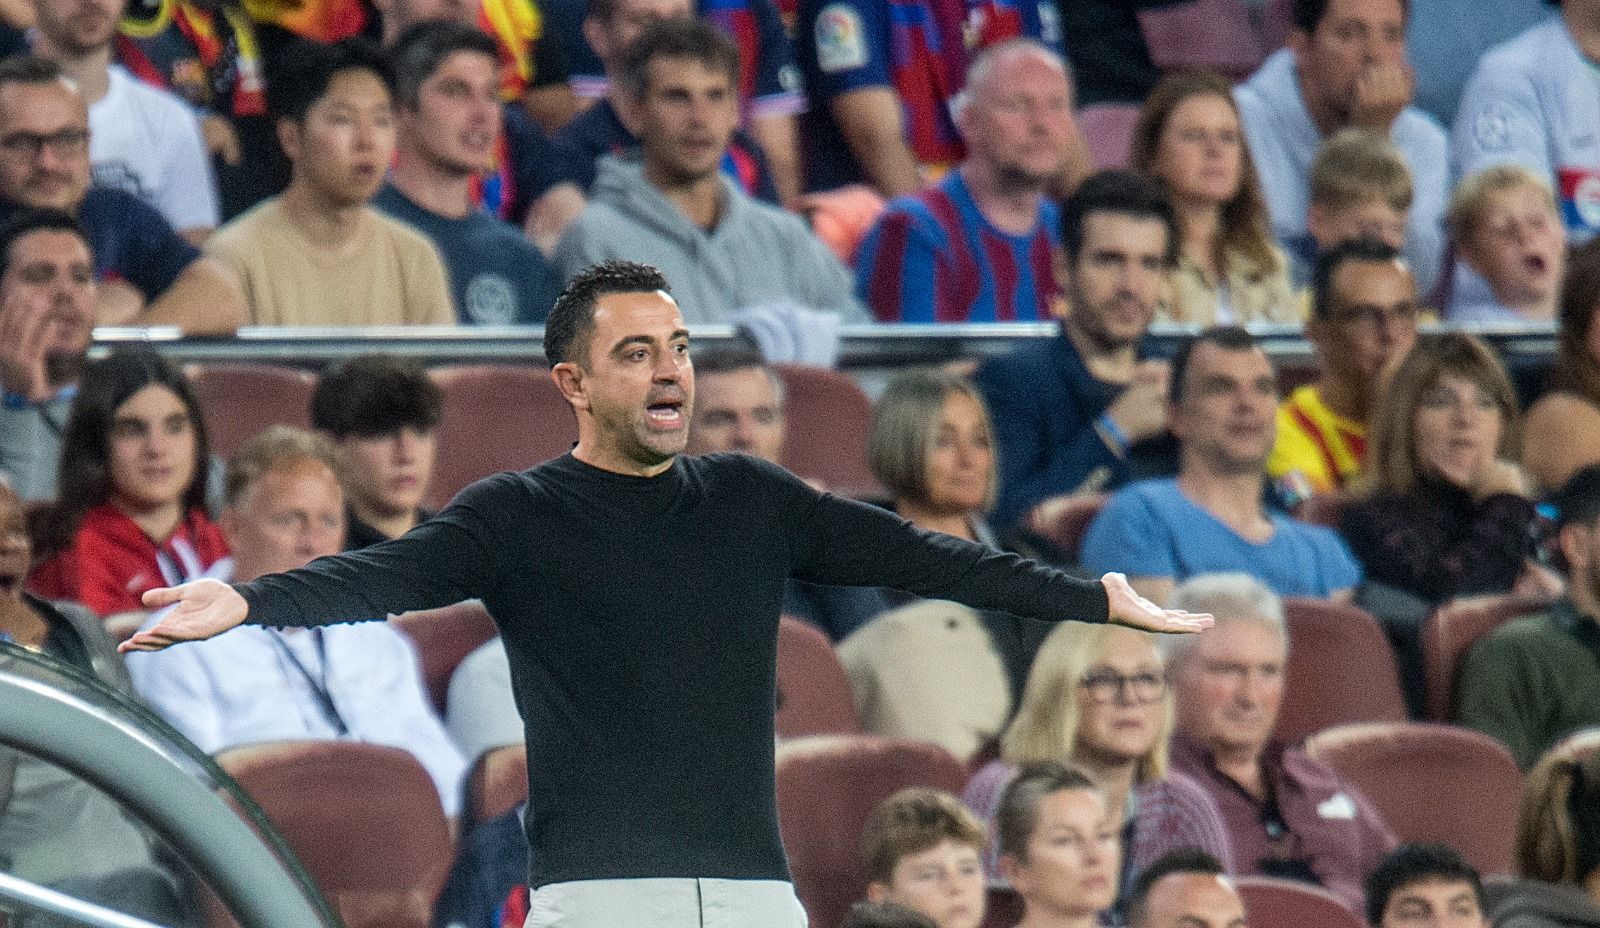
(221, 139)
(1140, 411)
(204, 608)
(1497, 477)
(1382, 91)
(26, 330)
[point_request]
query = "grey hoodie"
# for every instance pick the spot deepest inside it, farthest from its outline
(756, 255)
(1532, 904)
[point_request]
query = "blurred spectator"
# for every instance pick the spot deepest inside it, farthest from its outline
(1535, 680)
(1360, 188)
(978, 245)
(881, 75)
(1444, 510)
(1058, 846)
(1286, 814)
(149, 274)
(358, 681)
(1504, 224)
(1363, 323)
(921, 849)
(449, 121)
(1345, 66)
(1098, 699)
(1229, 269)
(1562, 431)
(991, 22)
(738, 405)
(674, 210)
(132, 487)
(1186, 888)
(56, 829)
(1425, 884)
(885, 915)
(46, 318)
(382, 413)
(612, 26)
(1213, 517)
(1444, 47)
(1532, 101)
(141, 139)
(1078, 412)
(320, 254)
(1558, 847)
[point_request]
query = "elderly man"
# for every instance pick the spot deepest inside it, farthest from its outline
(1286, 815)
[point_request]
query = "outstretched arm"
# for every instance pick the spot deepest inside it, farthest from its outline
(1127, 607)
(205, 608)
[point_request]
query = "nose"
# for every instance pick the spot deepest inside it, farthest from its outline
(744, 432)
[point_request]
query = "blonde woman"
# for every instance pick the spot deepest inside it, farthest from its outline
(1059, 846)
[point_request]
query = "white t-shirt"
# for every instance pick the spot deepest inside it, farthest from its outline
(147, 142)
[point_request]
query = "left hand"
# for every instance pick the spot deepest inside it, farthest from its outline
(1130, 609)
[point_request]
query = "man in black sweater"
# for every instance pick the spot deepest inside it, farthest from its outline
(637, 591)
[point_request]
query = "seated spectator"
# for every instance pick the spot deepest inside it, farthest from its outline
(1229, 268)
(1286, 814)
(149, 274)
(1363, 324)
(47, 308)
(1058, 846)
(673, 209)
(977, 246)
(613, 25)
(1097, 698)
(1504, 224)
(1360, 188)
(319, 254)
(57, 830)
(1534, 680)
(1444, 511)
(738, 405)
(1186, 888)
(922, 850)
(131, 515)
(1212, 517)
(1531, 102)
(1425, 884)
(1562, 430)
(382, 413)
(359, 681)
(884, 915)
(1345, 66)
(448, 132)
(142, 139)
(1079, 412)
(1557, 847)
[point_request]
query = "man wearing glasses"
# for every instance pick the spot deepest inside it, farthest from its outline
(1363, 323)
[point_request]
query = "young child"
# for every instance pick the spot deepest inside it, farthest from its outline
(923, 851)
(1505, 226)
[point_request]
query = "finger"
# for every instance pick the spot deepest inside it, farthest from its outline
(161, 596)
(145, 641)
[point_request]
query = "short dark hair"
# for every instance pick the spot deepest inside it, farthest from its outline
(419, 51)
(566, 331)
(1226, 337)
(687, 37)
(29, 69)
(726, 360)
(1123, 193)
(376, 394)
(28, 221)
(299, 74)
(1327, 266)
(1306, 15)
(1017, 814)
(1183, 860)
(1414, 863)
(885, 915)
(1578, 500)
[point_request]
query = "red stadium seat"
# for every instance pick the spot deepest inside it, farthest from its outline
(443, 638)
(828, 418)
(1432, 783)
(365, 821)
(1108, 131)
(1068, 523)
(1341, 670)
(813, 692)
(497, 417)
(1278, 903)
(496, 784)
(1216, 35)
(827, 787)
(240, 400)
(1448, 636)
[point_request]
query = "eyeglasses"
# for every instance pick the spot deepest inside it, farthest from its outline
(28, 145)
(1108, 685)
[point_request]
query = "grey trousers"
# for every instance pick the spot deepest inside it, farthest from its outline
(666, 903)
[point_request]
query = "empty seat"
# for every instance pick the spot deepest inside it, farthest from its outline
(443, 637)
(827, 786)
(1341, 670)
(1108, 131)
(1448, 636)
(1069, 521)
(496, 784)
(828, 418)
(240, 400)
(1276, 903)
(365, 821)
(497, 417)
(1432, 783)
(1216, 35)
(813, 691)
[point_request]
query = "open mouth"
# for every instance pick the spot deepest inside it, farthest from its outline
(1536, 264)
(665, 412)
(10, 582)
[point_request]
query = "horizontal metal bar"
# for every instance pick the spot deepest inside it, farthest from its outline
(43, 899)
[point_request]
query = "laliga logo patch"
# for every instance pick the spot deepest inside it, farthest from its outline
(841, 41)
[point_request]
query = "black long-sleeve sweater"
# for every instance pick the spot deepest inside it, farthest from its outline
(640, 616)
